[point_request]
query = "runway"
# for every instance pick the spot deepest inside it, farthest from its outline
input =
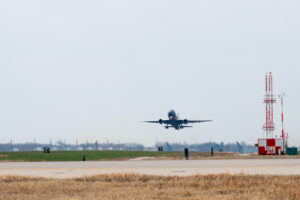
(152, 167)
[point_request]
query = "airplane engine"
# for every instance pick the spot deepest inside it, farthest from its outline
(185, 121)
(160, 121)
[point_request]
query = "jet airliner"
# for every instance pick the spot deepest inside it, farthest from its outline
(174, 122)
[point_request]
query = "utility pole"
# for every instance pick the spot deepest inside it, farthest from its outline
(76, 145)
(96, 144)
(34, 144)
(11, 146)
(51, 144)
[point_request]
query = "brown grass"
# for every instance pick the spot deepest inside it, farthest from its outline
(132, 186)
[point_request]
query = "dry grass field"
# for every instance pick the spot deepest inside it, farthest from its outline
(132, 186)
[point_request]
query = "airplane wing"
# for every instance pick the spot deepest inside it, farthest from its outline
(194, 121)
(159, 121)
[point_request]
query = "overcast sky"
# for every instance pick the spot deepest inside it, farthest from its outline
(94, 69)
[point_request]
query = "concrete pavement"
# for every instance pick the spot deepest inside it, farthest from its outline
(152, 167)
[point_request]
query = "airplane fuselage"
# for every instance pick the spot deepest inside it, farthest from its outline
(173, 120)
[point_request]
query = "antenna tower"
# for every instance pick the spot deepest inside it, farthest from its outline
(281, 96)
(269, 100)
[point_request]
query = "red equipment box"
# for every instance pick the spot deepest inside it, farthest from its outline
(270, 146)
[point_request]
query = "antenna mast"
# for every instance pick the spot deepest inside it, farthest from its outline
(281, 96)
(269, 100)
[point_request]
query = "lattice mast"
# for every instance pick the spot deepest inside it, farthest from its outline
(269, 100)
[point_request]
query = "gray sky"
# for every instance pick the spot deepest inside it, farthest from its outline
(94, 69)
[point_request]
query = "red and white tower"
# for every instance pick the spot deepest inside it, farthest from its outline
(281, 96)
(270, 145)
(269, 100)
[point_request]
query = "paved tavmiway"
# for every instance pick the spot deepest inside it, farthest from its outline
(153, 167)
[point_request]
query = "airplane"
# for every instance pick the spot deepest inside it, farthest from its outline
(175, 122)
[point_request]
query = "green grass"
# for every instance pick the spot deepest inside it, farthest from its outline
(78, 155)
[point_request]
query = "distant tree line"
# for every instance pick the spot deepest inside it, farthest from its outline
(206, 147)
(63, 146)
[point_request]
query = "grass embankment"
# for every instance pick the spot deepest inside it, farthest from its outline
(78, 155)
(130, 186)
